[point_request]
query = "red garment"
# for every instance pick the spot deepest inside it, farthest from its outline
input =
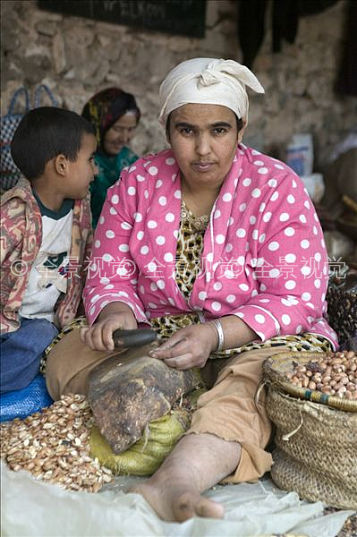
(21, 236)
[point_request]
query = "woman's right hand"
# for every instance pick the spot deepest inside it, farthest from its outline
(99, 336)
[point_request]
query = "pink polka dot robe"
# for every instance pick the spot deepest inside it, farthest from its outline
(263, 259)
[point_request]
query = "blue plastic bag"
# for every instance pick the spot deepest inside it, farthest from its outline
(9, 172)
(22, 403)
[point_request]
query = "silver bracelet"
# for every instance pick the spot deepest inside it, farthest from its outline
(217, 323)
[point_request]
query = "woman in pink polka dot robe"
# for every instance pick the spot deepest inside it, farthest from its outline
(260, 275)
(263, 261)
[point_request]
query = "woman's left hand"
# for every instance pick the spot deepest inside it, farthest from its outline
(188, 347)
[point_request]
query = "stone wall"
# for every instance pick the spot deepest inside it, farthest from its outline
(76, 57)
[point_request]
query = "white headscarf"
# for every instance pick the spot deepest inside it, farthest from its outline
(208, 81)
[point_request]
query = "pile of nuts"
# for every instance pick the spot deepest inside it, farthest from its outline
(332, 373)
(53, 445)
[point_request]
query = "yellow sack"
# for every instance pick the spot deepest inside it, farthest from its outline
(147, 454)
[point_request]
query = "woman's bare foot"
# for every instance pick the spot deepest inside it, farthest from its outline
(198, 462)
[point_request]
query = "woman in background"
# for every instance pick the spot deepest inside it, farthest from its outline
(115, 116)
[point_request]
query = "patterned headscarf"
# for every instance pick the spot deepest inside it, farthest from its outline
(208, 81)
(106, 107)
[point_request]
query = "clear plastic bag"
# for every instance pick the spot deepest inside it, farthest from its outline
(32, 508)
(300, 154)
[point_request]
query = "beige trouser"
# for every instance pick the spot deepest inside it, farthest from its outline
(228, 410)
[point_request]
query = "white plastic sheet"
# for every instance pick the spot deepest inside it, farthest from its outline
(32, 508)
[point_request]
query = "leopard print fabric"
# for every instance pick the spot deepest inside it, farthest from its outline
(189, 249)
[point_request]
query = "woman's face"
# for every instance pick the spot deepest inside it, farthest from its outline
(120, 133)
(204, 139)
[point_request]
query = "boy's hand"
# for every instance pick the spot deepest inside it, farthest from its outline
(99, 336)
(188, 347)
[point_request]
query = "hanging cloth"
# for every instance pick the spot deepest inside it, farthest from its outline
(285, 22)
(347, 80)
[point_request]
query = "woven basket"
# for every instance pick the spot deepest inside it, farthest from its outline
(316, 450)
(276, 367)
(316, 445)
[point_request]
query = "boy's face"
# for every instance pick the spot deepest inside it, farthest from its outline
(81, 172)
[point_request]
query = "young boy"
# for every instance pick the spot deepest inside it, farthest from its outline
(45, 237)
